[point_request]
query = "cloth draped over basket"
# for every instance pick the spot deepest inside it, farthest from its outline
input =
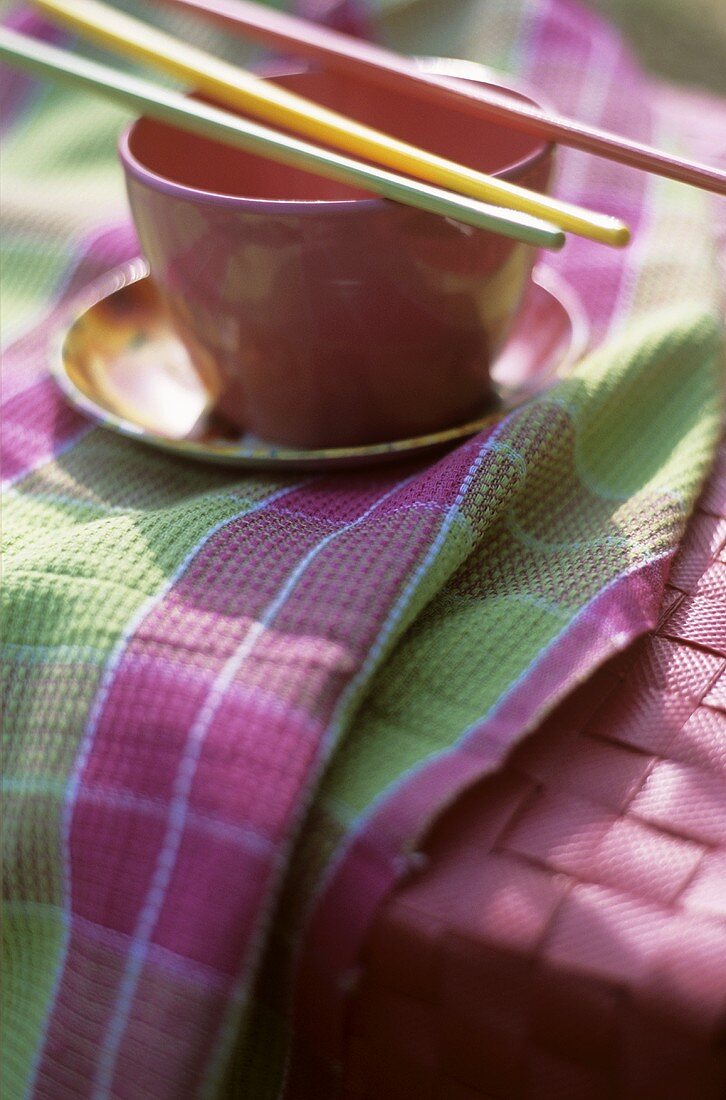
(233, 703)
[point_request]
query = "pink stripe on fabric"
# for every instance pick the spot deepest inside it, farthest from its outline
(447, 482)
(223, 793)
(101, 250)
(203, 884)
(177, 652)
(377, 851)
(569, 34)
(228, 740)
(175, 866)
(17, 89)
(37, 425)
(203, 592)
(25, 361)
(197, 627)
(265, 770)
(96, 961)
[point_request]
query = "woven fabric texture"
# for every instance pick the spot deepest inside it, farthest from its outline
(202, 668)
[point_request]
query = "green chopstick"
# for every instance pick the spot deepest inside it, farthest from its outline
(172, 107)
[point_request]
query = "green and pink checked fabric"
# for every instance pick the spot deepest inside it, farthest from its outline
(232, 704)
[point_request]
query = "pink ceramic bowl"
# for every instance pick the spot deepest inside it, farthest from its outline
(318, 315)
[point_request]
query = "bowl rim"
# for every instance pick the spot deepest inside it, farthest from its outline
(450, 67)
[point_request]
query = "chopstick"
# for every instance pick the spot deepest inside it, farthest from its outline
(175, 108)
(343, 53)
(239, 88)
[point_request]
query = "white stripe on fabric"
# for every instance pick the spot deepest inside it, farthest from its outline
(179, 808)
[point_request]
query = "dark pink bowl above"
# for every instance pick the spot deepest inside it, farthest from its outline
(322, 316)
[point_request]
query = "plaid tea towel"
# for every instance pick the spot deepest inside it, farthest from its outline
(232, 703)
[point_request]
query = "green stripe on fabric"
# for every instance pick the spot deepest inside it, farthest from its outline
(59, 179)
(419, 701)
(676, 357)
(495, 622)
(30, 945)
(31, 269)
(105, 473)
(82, 565)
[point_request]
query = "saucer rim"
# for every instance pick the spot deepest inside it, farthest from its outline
(273, 455)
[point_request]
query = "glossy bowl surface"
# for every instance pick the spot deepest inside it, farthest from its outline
(320, 316)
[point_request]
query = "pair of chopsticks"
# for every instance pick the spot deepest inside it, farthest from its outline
(236, 87)
(457, 192)
(342, 53)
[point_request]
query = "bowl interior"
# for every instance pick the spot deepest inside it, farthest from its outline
(204, 165)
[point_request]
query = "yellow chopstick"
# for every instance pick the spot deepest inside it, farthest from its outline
(239, 88)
